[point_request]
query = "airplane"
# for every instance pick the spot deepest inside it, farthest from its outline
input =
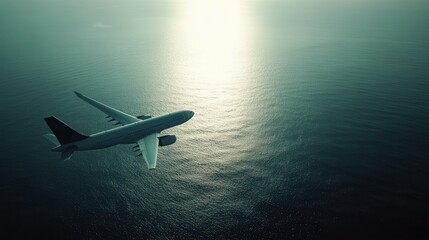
(144, 130)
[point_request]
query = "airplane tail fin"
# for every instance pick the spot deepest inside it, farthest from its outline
(63, 133)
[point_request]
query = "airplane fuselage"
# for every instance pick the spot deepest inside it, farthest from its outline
(129, 133)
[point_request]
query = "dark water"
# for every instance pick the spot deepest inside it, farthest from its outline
(311, 119)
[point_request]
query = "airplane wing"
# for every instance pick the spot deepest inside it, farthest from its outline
(120, 117)
(149, 149)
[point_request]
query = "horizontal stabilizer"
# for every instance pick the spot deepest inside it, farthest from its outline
(52, 139)
(67, 154)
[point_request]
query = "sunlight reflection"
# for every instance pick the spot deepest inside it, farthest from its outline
(212, 72)
(213, 40)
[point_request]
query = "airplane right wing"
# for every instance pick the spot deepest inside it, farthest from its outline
(149, 149)
(115, 114)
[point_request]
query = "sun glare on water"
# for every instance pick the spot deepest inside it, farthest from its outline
(212, 38)
(210, 69)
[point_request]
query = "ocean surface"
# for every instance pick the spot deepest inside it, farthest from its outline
(311, 119)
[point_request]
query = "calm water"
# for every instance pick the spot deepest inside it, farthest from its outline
(311, 119)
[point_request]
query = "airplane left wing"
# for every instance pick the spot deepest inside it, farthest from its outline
(115, 114)
(149, 149)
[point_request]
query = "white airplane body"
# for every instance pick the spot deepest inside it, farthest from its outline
(143, 130)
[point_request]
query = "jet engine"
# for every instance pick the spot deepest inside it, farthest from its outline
(166, 140)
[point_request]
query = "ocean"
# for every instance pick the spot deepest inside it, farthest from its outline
(311, 119)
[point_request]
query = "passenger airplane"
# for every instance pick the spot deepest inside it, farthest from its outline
(143, 130)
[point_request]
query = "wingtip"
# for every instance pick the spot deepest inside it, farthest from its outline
(77, 93)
